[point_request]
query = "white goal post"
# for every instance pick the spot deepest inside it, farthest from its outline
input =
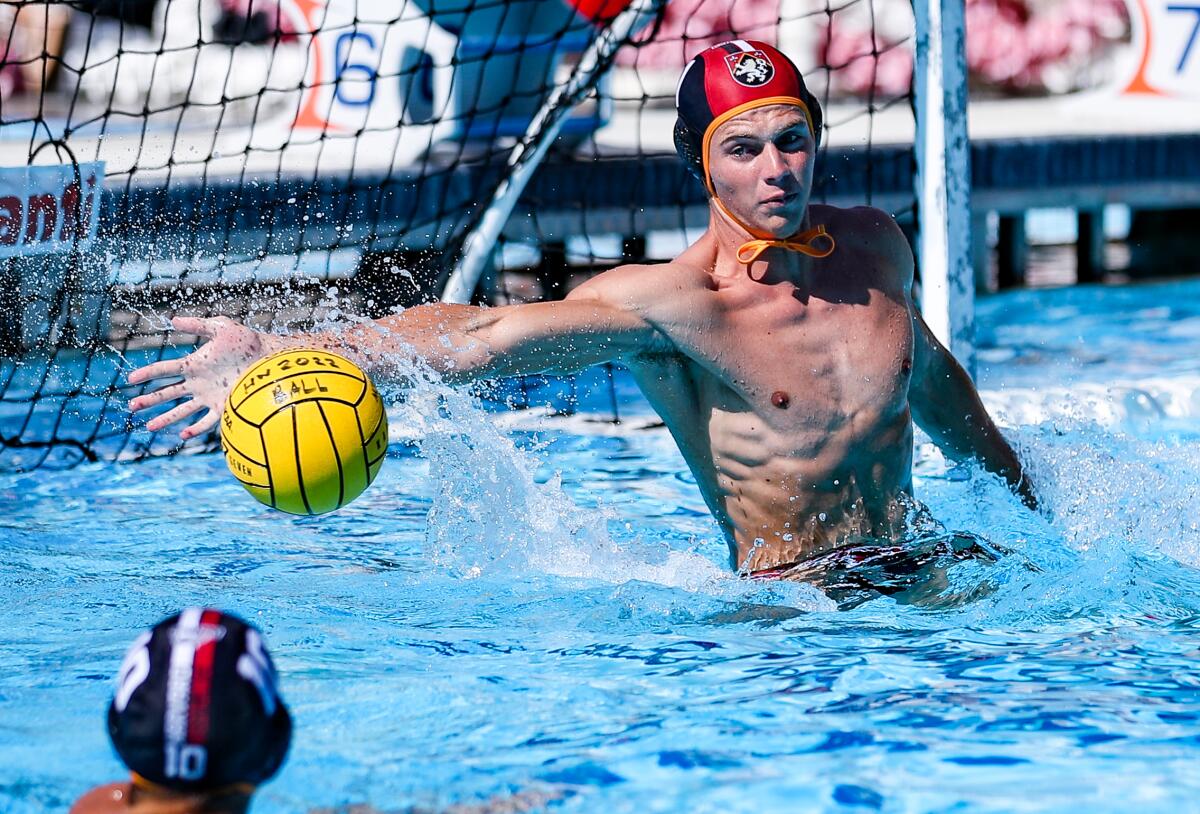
(943, 176)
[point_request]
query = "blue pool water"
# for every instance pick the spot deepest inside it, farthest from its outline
(526, 603)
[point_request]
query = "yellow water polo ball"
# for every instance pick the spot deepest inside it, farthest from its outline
(304, 430)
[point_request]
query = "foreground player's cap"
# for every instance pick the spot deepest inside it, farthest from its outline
(196, 707)
(727, 79)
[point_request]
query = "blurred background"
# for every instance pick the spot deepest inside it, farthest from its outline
(287, 162)
(258, 81)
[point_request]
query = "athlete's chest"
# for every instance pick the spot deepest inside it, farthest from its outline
(798, 356)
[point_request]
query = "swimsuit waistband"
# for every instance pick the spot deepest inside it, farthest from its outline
(775, 572)
(848, 555)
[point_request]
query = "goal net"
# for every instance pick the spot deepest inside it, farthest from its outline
(289, 163)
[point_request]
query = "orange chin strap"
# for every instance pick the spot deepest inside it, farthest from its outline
(142, 783)
(749, 251)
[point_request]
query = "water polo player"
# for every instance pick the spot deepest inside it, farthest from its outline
(196, 717)
(782, 349)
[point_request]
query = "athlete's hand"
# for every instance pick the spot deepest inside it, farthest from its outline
(209, 373)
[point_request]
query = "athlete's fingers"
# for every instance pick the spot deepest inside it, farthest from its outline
(202, 426)
(206, 327)
(175, 391)
(174, 414)
(157, 370)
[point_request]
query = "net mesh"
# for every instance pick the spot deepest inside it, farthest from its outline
(288, 163)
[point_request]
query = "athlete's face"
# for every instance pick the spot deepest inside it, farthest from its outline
(761, 165)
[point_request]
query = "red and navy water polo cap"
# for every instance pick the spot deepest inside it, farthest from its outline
(197, 708)
(727, 79)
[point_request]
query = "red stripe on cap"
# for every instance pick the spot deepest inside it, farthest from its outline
(725, 93)
(598, 11)
(202, 673)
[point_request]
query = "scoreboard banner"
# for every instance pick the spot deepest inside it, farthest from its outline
(1166, 39)
(49, 209)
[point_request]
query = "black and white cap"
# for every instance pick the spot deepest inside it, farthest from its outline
(197, 707)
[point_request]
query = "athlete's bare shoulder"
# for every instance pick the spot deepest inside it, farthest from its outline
(673, 297)
(109, 799)
(654, 290)
(858, 227)
(870, 233)
(643, 284)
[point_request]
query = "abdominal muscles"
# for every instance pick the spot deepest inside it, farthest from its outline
(793, 492)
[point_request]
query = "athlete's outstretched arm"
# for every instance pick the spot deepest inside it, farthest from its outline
(462, 342)
(942, 396)
(947, 406)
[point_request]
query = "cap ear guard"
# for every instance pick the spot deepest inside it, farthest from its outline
(818, 116)
(687, 145)
(279, 742)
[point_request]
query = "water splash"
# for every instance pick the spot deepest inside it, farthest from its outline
(1117, 536)
(1101, 485)
(492, 515)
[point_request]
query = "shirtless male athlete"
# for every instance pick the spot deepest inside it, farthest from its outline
(782, 349)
